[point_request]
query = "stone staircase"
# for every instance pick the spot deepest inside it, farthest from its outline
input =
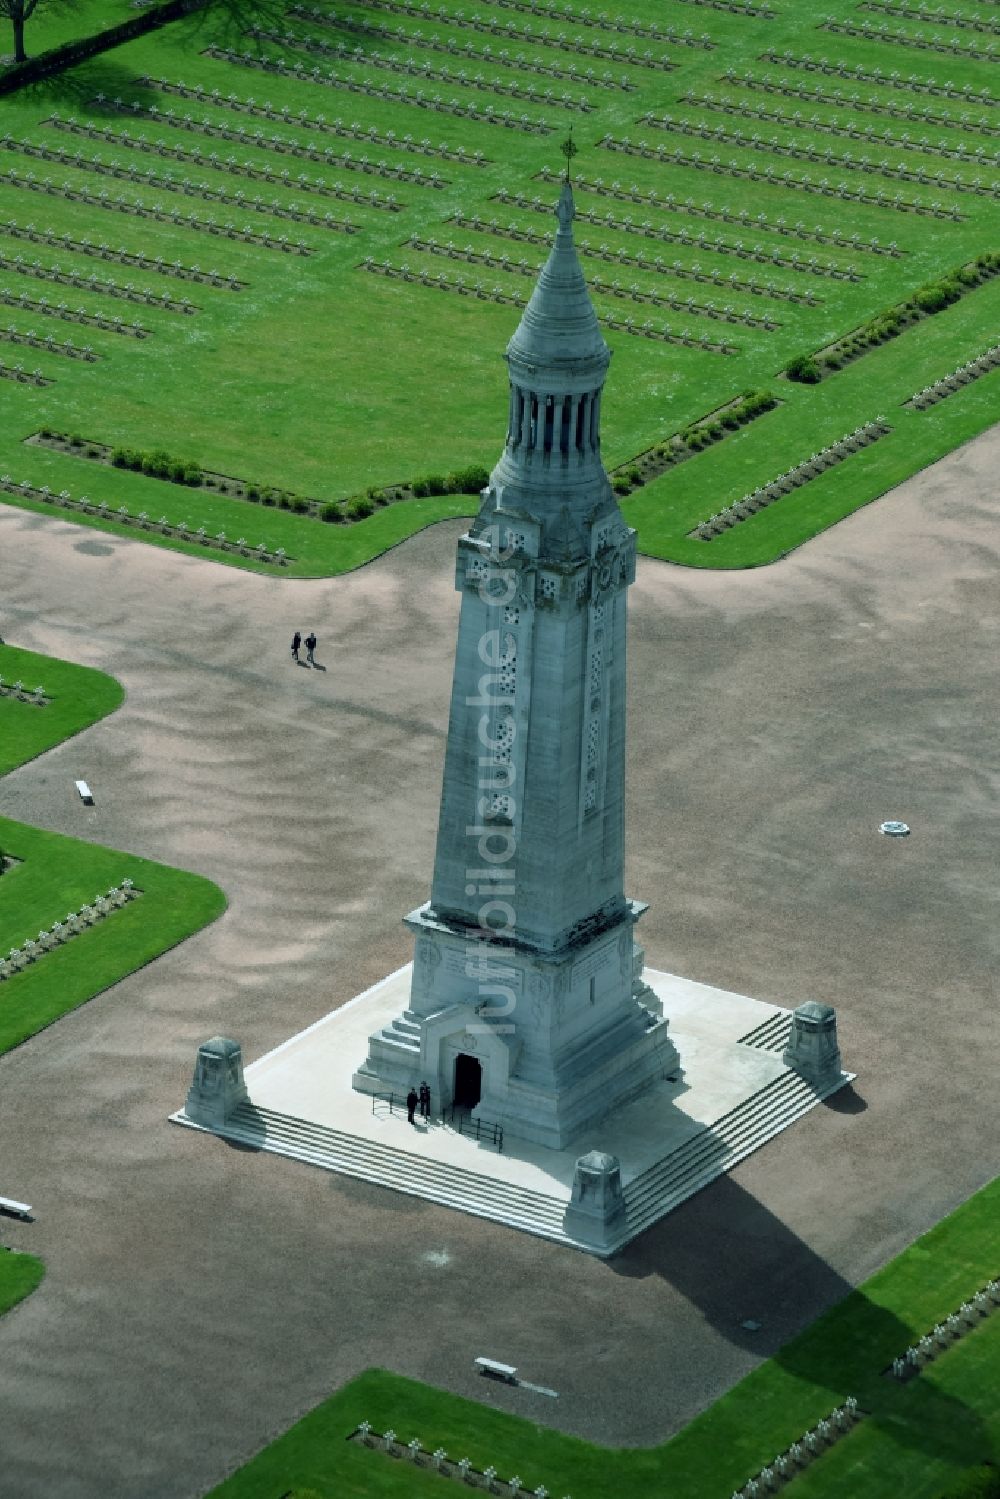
(394, 1056)
(402, 1170)
(716, 1149)
(402, 1032)
(771, 1035)
(648, 1197)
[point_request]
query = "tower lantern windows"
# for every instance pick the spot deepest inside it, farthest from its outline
(564, 426)
(595, 406)
(516, 417)
(553, 423)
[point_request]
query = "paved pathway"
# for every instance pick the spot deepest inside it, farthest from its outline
(198, 1298)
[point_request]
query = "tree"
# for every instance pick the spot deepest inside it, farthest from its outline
(18, 11)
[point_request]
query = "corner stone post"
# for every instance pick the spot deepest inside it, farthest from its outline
(218, 1087)
(812, 1048)
(596, 1213)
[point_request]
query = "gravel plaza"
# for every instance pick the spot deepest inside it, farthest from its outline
(201, 1297)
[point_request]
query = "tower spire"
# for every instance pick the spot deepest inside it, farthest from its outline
(569, 149)
(557, 362)
(559, 334)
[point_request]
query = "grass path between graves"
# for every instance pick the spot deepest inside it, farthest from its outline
(915, 1438)
(57, 874)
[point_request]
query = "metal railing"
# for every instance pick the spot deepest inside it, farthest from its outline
(457, 1115)
(483, 1129)
(396, 1102)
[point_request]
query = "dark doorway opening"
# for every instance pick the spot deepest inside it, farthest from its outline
(468, 1081)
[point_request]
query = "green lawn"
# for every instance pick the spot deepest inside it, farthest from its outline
(59, 21)
(664, 510)
(324, 379)
(914, 1439)
(79, 696)
(19, 1275)
(57, 875)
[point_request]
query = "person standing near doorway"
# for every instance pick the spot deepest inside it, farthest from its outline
(425, 1101)
(412, 1099)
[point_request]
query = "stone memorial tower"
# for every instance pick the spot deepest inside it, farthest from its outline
(527, 1003)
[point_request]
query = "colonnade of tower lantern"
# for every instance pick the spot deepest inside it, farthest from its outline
(544, 424)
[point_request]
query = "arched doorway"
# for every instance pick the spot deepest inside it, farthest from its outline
(468, 1089)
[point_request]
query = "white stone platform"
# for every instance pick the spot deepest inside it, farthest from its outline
(732, 1096)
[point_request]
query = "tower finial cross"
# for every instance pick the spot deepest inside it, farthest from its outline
(569, 148)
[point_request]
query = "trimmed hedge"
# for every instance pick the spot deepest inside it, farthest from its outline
(157, 465)
(751, 404)
(803, 369)
(463, 481)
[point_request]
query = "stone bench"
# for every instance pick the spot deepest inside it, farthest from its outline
(506, 1373)
(86, 795)
(14, 1209)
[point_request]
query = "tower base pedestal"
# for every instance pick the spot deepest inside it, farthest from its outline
(543, 1044)
(735, 1094)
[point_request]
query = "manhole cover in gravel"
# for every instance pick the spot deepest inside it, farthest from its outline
(93, 548)
(894, 829)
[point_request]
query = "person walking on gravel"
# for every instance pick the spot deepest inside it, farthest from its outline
(296, 642)
(310, 647)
